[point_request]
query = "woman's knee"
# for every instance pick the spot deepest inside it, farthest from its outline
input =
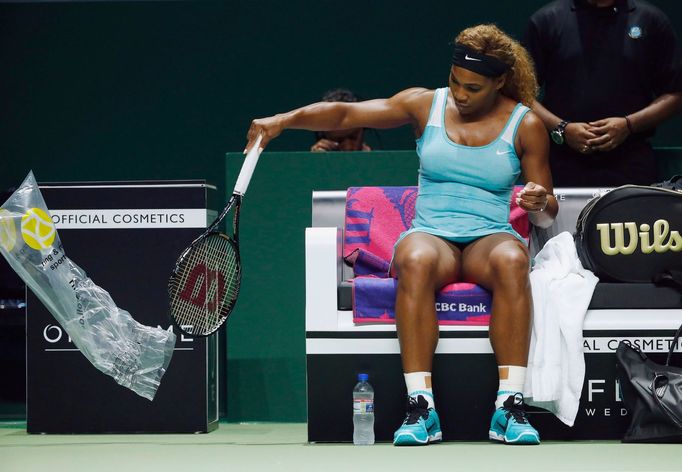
(419, 262)
(510, 263)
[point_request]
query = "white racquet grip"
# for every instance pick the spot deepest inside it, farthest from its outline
(248, 167)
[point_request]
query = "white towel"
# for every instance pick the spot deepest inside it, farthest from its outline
(562, 291)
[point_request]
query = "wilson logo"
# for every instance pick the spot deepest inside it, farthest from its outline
(650, 239)
(204, 286)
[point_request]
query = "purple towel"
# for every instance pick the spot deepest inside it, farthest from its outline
(456, 304)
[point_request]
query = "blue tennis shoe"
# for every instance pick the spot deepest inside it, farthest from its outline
(510, 423)
(421, 425)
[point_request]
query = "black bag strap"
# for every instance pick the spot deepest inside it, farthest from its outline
(673, 345)
(663, 375)
(657, 399)
(669, 278)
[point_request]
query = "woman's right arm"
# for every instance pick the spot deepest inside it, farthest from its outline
(401, 109)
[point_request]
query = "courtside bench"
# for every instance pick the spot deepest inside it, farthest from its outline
(337, 348)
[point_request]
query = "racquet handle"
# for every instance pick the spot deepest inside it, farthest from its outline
(248, 167)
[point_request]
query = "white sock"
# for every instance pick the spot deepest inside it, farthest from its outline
(419, 383)
(512, 379)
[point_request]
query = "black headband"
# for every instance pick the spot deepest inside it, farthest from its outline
(467, 58)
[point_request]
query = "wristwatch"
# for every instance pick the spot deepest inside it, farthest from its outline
(557, 133)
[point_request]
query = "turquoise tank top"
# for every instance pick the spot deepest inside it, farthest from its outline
(464, 191)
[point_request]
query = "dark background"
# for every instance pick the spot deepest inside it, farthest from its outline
(121, 90)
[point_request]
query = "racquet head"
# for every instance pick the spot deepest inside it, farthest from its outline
(204, 286)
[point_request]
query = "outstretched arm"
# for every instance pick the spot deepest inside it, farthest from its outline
(400, 109)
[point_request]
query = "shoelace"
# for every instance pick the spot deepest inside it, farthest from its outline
(416, 408)
(515, 409)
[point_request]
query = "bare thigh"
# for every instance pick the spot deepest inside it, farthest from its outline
(487, 261)
(429, 255)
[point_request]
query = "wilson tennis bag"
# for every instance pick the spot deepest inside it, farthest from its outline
(632, 233)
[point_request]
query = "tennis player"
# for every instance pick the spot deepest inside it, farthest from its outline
(474, 138)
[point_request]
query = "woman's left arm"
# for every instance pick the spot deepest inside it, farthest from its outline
(537, 197)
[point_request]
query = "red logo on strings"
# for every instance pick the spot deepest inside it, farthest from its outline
(211, 291)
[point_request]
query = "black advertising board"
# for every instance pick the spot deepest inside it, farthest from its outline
(465, 381)
(126, 236)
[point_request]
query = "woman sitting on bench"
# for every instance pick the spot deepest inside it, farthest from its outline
(475, 137)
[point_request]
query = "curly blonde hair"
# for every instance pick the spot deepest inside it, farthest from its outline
(521, 83)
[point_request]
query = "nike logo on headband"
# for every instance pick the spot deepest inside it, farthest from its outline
(471, 58)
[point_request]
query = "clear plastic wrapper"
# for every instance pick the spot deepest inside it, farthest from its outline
(135, 355)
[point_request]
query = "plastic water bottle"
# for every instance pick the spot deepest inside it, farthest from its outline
(363, 412)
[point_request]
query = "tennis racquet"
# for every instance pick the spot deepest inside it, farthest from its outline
(204, 285)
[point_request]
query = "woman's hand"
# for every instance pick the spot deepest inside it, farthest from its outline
(269, 128)
(532, 198)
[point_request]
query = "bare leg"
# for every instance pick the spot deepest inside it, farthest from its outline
(423, 263)
(500, 263)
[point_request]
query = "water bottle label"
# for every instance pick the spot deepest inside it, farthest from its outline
(361, 407)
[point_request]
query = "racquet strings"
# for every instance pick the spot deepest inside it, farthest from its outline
(206, 285)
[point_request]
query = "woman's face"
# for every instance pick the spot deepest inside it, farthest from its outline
(473, 92)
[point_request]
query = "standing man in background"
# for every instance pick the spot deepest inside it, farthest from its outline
(611, 73)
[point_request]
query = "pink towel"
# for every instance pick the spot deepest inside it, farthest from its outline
(376, 216)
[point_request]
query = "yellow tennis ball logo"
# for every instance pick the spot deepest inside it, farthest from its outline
(37, 229)
(8, 231)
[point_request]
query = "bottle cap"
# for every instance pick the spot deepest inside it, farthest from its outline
(363, 377)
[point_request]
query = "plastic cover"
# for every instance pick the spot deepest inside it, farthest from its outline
(136, 356)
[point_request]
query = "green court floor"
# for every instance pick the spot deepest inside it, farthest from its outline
(283, 447)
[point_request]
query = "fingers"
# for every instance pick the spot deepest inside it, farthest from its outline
(601, 140)
(251, 135)
(612, 132)
(532, 187)
(532, 190)
(579, 131)
(532, 204)
(324, 145)
(600, 135)
(577, 136)
(609, 145)
(600, 130)
(533, 197)
(581, 147)
(256, 129)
